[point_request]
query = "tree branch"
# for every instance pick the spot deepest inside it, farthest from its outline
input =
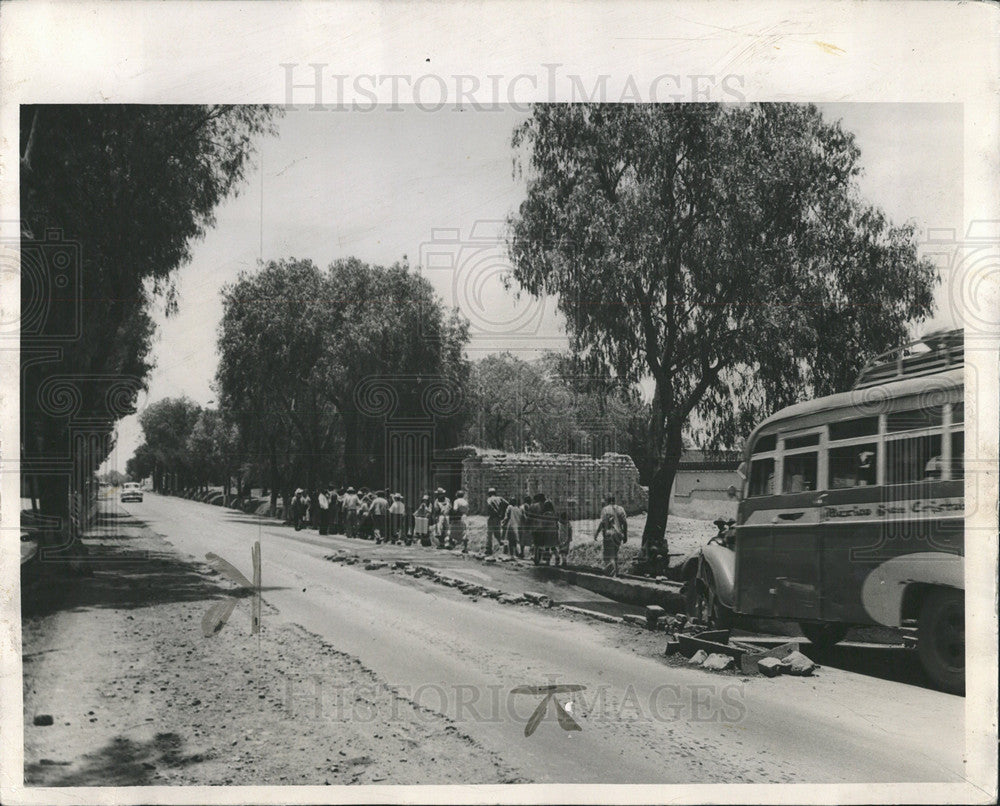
(648, 330)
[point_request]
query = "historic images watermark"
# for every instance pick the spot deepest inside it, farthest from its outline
(317, 87)
(572, 706)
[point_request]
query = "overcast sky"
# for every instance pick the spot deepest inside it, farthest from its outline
(432, 186)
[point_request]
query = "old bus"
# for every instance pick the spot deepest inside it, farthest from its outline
(851, 512)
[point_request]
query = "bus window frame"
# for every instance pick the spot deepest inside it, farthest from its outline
(760, 457)
(871, 439)
(820, 449)
(943, 430)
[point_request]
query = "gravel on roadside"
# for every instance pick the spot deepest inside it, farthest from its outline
(137, 695)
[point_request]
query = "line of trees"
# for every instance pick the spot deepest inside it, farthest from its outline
(501, 402)
(186, 446)
(112, 199)
(314, 363)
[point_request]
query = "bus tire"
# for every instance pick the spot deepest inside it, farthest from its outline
(824, 636)
(707, 607)
(941, 639)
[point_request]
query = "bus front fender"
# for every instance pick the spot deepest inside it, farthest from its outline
(721, 563)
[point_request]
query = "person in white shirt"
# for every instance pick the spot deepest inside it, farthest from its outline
(323, 500)
(439, 511)
(422, 522)
(513, 526)
(351, 506)
(456, 525)
(378, 509)
(298, 508)
(397, 520)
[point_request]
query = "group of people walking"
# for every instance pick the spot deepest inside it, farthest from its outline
(512, 525)
(370, 514)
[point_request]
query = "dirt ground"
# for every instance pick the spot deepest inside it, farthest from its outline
(150, 700)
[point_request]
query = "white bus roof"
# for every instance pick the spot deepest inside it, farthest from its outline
(864, 402)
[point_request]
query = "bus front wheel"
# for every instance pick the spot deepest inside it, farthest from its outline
(941, 639)
(824, 636)
(705, 606)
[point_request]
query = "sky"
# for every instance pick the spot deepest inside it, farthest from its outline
(435, 187)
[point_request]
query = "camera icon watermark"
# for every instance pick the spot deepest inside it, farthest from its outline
(49, 272)
(474, 274)
(970, 270)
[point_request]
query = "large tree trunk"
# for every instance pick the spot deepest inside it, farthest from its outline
(53, 502)
(660, 486)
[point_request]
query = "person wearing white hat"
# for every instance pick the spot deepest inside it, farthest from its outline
(439, 512)
(397, 520)
(323, 510)
(297, 508)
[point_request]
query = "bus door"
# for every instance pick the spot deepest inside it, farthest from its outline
(779, 544)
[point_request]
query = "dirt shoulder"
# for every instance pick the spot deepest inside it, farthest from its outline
(137, 695)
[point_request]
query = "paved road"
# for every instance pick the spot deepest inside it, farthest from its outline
(643, 721)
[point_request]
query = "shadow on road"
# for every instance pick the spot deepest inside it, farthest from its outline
(125, 566)
(121, 762)
(234, 517)
(886, 662)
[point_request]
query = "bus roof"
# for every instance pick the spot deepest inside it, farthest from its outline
(864, 401)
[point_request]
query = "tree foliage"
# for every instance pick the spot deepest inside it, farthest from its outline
(309, 359)
(142, 463)
(124, 191)
(114, 477)
(167, 426)
(213, 449)
(725, 253)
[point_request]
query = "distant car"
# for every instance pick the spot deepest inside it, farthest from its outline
(131, 492)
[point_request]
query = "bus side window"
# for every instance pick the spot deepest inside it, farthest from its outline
(762, 477)
(908, 459)
(800, 472)
(853, 466)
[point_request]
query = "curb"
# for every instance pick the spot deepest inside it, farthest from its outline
(592, 614)
(473, 590)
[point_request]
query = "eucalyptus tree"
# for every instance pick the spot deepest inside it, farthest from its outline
(723, 253)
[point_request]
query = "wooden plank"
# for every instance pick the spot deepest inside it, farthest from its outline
(718, 636)
(255, 553)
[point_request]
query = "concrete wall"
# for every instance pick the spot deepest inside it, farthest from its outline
(703, 493)
(577, 483)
